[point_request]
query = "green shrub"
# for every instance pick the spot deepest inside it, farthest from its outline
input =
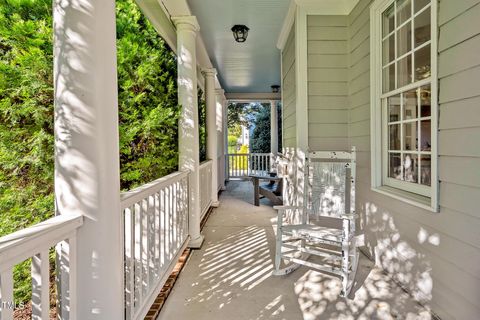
(148, 103)
(148, 112)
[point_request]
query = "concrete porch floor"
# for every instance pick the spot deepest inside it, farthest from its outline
(230, 276)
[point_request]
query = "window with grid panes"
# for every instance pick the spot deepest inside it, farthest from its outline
(405, 97)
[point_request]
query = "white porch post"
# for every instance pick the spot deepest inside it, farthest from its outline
(221, 126)
(212, 145)
(87, 153)
(225, 137)
(188, 144)
(273, 127)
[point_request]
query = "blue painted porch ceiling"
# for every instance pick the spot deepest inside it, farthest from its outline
(252, 66)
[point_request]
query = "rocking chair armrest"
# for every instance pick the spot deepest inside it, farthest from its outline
(349, 216)
(287, 208)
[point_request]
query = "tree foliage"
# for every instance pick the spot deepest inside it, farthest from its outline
(148, 104)
(202, 125)
(260, 139)
(26, 113)
(239, 114)
(148, 111)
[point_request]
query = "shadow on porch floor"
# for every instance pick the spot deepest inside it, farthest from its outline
(230, 277)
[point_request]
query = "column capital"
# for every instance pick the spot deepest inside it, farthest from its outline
(186, 23)
(209, 72)
(220, 93)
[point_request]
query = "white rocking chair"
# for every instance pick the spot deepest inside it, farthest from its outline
(329, 199)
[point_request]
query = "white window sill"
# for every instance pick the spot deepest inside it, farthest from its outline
(407, 197)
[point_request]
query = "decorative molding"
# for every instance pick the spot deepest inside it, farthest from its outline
(209, 72)
(253, 97)
(287, 25)
(188, 23)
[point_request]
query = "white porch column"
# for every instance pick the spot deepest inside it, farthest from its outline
(221, 126)
(188, 143)
(273, 127)
(87, 154)
(212, 146)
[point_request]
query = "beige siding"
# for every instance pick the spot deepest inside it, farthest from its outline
(327, 82)
(420, 248)
(289, 91)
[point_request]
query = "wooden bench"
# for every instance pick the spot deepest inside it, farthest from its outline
(272, 190)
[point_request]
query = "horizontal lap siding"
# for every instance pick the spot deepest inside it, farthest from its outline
(327, 82)
(288, 91)
(418, 247)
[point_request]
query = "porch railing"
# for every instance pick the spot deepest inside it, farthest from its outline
(156, 233)
(205, 186)
(241, 165)
(35, 242)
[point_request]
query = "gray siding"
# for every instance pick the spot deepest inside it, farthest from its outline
(289, 92)
(436, 256)
(327, 82)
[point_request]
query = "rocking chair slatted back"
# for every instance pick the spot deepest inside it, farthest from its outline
(331, 188)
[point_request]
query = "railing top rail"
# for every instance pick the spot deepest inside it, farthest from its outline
(205, 163)
(249, 154)
(22, 244)
(133, 196)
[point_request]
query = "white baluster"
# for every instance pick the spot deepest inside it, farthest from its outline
(6, 295)
(40, 286)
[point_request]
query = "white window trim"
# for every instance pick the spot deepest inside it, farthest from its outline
(429, 203)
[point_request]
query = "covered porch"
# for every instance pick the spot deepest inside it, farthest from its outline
(230, 277)
(115, 250)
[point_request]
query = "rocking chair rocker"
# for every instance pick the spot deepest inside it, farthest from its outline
(325, 225)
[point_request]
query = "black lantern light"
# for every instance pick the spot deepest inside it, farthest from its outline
(240, 32)
(275, 88)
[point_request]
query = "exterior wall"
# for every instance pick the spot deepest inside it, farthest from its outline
(436, 256)
(289, 92)
(327, 82)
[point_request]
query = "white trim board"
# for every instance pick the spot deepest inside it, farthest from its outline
(252, 97)
(313, 7)
(301, 75)
(287, 25)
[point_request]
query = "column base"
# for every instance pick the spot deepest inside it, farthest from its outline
(215, 204)
(196, 243)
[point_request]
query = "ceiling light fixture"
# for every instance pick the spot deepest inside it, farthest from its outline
(240, 32)
(275, 88)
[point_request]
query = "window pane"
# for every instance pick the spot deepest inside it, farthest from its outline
(388, 20)
(388, 50)
(410, 136)
(425, 170)
(404, 69)
(389, 78)
(394, 108)
(419, 4)
(394, 134)
(404, 11)
(425, 101)
(410, 105)
(425, 135)
(422, 63)
(410, 167)
(422, 28)
(395, 166)
(404, 39)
